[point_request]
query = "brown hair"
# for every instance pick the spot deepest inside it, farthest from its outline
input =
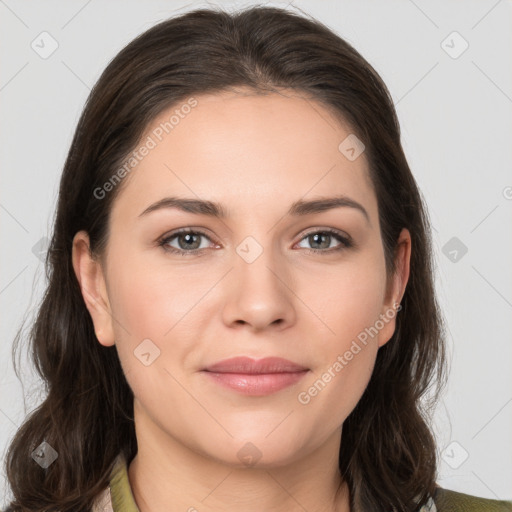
(388, 453)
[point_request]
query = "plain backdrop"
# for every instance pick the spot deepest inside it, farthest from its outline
(448, 65)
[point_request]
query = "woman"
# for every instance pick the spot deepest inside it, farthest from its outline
(240, 311)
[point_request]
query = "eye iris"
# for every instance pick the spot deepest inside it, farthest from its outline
(315, 237)
(188, 237)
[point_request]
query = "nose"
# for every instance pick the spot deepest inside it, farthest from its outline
(258, 295)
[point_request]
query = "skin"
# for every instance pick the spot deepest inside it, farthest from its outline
(255, 154)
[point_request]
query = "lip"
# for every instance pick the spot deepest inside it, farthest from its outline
(252, 366)
(256, 377)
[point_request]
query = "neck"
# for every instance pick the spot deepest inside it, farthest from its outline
(165, 475)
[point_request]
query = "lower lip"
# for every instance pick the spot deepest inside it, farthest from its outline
(256, 384)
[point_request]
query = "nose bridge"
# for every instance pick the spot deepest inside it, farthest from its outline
(259, 258)
(257, 264)
(258, 293)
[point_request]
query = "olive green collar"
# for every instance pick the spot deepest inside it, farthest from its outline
(120, 489)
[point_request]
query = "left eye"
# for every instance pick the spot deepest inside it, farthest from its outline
(190, 241)
(316, 238)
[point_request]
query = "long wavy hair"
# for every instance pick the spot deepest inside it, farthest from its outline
(388, 454)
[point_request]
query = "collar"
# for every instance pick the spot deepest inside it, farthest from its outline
(118, 496)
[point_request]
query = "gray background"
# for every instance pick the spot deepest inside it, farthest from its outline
(455, 113)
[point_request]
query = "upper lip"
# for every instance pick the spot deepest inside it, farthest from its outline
(251, 366)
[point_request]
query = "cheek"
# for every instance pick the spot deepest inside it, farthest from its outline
(336, 386)
(150, 300)
(349, 298)
(148, 309)
(161, 302)
(350, 305)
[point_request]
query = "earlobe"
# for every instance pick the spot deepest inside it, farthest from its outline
(90, 276)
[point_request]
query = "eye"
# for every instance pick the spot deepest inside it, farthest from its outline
(189, 241)
(322, 239)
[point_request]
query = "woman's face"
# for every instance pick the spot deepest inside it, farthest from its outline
(245, 284)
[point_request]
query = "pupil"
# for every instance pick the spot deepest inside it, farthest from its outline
(317, 235)
(188, 237)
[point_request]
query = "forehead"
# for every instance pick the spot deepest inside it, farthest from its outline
(249, 150)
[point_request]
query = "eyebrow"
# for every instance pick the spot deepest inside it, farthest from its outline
(214, 209)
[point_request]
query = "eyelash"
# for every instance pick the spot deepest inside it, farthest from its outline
(346, 243)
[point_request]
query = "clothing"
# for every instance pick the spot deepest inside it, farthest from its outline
(118, 497)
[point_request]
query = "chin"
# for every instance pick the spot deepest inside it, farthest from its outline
(256, 451)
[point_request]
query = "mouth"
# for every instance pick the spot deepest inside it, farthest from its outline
(256, 377)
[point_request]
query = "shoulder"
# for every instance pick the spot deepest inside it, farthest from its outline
(447, 500)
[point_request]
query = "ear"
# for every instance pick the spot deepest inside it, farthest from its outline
(396, 287)
(89, 272)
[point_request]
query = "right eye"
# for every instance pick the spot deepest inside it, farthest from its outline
(187, 240)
